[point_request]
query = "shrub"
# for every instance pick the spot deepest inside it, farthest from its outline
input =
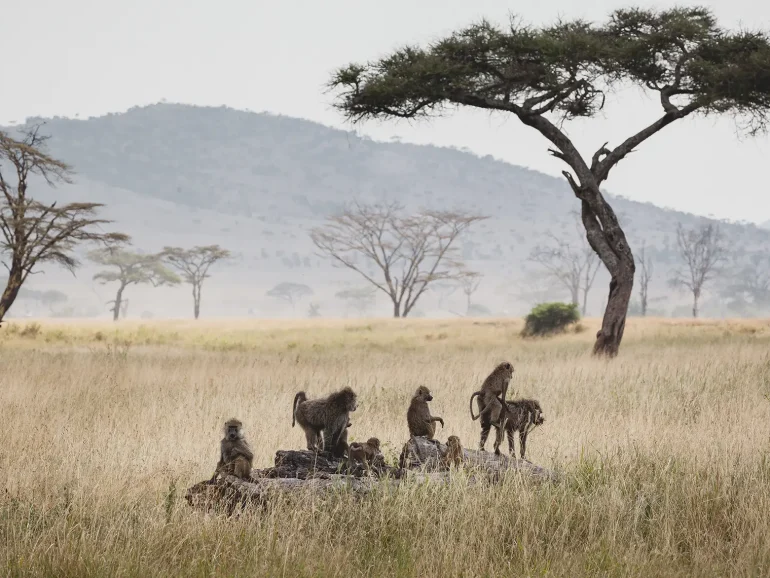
(550, 318)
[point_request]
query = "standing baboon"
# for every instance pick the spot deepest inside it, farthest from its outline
(454, 452)
(329, 415)
(342, 447)
(490, 399)
(524, 415)
(418, 417)
(364, 452)
(235, 455)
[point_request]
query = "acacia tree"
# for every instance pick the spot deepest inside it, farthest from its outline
(290, 292)
(410, 251)
(747, 287)
(645, 273)
(130, 269)
(193, 266)
(574, 269)
(545, 76)
(702, 251)
(360, 298)
(35, 233)
(470, 283)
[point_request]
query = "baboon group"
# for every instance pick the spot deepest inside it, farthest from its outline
(326, 420)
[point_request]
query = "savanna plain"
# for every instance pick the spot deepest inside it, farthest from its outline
(664, 451)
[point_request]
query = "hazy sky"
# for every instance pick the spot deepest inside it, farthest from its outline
(90, 57)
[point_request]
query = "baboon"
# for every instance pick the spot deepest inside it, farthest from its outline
(490, 399)
(235, 455)
(364, 452)
(329, 415)
(454, 452)
(418, 417)
(523, 415)
(342, 446)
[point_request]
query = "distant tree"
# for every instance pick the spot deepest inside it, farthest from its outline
(644, 261)
(314, 310)
(747, 287)
(701, 251)
(410, 251)
(51, 298)
(545, 76)
(34, 233)
(444, 291)
(361, 299)
(572, 267)
(290, 292)
(130, 269)
(470, 283)
(193, 266)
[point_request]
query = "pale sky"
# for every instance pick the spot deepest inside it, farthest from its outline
(91, 57)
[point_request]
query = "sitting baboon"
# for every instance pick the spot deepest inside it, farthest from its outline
(418, 417)
(490, 399)
(364, 452)
(454, 452)
(235, 455)
(329, 415)
(523, 415)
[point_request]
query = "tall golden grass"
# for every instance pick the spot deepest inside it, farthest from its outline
(664, 450)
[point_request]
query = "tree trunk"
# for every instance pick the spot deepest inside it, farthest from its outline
(118, 299)
(575, 295)
(695, 297)
(608, 338)
(585, 301)
(196, 300)
(396, 309)
(12, 287)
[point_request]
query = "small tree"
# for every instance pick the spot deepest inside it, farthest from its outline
(550, 318)
(290, 292)
(573, 268)
(547, 75)
(34, 233)
(747, 287)
(470, 283)
(361, 299)
(130, 269)
(193, 266)
(410, 251)
(444, 291)
(644, 262)
(702, 251)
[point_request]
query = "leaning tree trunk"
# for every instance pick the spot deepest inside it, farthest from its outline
(118, 300)
(11, 290)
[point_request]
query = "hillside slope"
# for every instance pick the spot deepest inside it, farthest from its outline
(256, 183)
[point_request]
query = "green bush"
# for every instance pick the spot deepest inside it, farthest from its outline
(550, 318)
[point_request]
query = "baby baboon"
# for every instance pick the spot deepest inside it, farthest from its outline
(235, 455)
(329, 415)
(454, 452)
(364, 452)
(490, 399)
(418, 417)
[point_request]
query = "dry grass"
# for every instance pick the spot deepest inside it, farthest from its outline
(665, 449)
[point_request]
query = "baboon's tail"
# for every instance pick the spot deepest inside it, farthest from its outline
(299, 398)
(474, 394)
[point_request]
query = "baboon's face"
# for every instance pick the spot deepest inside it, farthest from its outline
(538, 416)
(424, 393)
(506, 369)
(374, 442)
(453, 441)
(233, 430)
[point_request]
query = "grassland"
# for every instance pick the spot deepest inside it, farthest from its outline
(665, 450)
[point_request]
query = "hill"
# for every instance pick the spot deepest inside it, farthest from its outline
(255, 183)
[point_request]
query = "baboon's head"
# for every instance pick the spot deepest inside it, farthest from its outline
(233, 429)
(538, 417)
(453, 442)
(424, 393)
(349, 399)
(374, 443)
(505, 370)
